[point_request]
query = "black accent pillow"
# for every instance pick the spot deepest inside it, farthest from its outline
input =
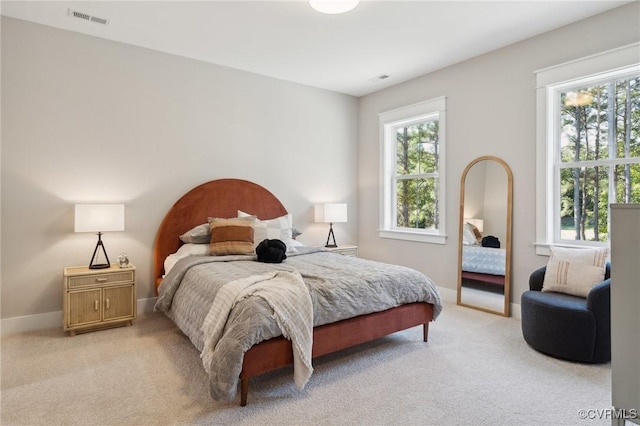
(491, 241)
(271, 251)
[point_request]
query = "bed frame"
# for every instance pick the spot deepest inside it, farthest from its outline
(496, 280)
(222, 198)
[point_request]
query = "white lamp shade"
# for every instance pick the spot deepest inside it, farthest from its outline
(331, 212)
(99, 217)
(333, 6)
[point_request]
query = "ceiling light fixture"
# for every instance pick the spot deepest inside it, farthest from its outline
(333, 6)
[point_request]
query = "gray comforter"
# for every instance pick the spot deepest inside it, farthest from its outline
(340, 286)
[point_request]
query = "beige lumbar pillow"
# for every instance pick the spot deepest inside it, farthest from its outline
(231, 236)
(575, 271)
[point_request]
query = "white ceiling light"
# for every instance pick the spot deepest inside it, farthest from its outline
(333, 6)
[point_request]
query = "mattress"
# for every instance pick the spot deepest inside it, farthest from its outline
(483, 260)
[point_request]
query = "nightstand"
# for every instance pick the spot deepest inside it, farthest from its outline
(94, 299)
(345, 249)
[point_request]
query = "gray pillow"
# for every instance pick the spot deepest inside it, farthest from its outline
(295, 233)
(197, 235)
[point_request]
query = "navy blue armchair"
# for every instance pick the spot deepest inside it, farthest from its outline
(568, 327)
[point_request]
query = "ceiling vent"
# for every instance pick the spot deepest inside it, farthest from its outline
(379, 78)
(87, 17)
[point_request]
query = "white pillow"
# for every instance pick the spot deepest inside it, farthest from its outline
(273, 229)
(575, 271)
(468, 236)
(185, 250)
(192, 250)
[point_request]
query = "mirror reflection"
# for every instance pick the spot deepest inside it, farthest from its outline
(484, 249)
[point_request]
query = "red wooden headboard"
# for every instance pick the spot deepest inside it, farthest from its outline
(217, 198)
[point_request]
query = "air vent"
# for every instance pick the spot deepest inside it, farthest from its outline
(379, 78)
(87, 17)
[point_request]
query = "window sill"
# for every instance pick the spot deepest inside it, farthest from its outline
(544, 249)
(413, 236)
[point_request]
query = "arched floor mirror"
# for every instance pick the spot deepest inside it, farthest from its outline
(484, 243)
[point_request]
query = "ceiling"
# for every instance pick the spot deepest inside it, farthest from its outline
(290, 41)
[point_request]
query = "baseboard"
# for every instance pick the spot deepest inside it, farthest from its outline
(30, 322)
(145, 306)
(516, 312)
(53, 319)
(448, 295)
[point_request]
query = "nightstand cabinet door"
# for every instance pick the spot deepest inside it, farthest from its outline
(118, 302)
(83, 307)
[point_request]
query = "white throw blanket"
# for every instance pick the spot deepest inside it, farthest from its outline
(286, 293)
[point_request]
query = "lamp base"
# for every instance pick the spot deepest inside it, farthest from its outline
(331, 236)
(99, 245)
(100, 266)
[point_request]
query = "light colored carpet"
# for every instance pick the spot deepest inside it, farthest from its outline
(475, 370)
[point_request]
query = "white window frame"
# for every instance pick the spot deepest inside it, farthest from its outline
(427, 110)
(549, 83)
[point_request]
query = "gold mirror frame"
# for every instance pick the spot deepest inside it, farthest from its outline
(508, 214)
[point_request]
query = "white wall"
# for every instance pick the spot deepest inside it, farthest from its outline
(85, 119)
(90, 120)
(495, 201)
(485, 197)
(490, 111)
(475, 188)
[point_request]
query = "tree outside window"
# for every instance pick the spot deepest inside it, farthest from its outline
(417, 175)
(599, 155)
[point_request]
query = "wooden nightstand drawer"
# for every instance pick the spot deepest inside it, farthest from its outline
(102, 279)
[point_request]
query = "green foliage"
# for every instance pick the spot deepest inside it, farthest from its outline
(598, 124)
(417, 160)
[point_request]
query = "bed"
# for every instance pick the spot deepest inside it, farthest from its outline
(480, 263)
(224, 198)
(484, 264)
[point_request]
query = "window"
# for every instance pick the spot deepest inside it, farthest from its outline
(412, 169)
(589, 146)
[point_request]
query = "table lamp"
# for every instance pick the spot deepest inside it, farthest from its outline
(331, 213)
(99, 218)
